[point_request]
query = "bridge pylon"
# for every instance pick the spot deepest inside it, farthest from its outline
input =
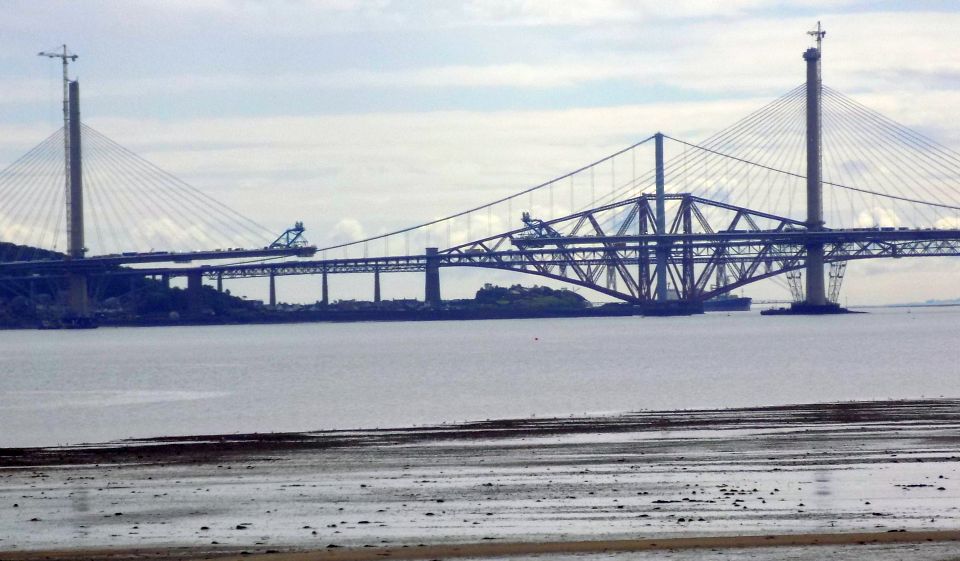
(77, 297)
(815, 301)
(816, 294)
(663, 248)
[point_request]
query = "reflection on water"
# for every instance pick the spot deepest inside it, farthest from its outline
(76, 386)
(44, 399)
(822, 499)
(822, 479)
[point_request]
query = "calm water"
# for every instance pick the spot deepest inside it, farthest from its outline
(61, 387)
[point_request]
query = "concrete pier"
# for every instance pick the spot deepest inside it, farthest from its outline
(376, 286)
(194, 292)
(273, 290)
(432, 280)
(324, 289)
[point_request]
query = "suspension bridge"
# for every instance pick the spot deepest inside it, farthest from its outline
(792, 192)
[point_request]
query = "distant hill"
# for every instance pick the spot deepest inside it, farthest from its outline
(25, 302)
(14, 252)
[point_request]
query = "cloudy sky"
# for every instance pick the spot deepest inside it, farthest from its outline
(363, 116)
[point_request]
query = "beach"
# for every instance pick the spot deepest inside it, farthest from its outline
(841, 475)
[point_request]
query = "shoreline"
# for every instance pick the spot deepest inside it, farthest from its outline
(206, 448)
(486, 550)
(356, 316)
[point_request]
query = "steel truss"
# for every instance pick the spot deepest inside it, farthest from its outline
(708, 248)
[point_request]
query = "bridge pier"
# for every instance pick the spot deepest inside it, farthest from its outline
(376, 285)
(432, 280)
(78, 301)
(324, 290)
(194, 292)
(165, 279)
(273, 289)
(220, 282)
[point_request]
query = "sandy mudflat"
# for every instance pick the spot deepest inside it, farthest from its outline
(883, 473)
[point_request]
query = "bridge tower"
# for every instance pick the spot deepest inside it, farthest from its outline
(663, 250)
(816, 294)
(77, 299)
(815, 302)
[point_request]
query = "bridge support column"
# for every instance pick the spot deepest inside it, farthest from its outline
(324, 289)
(220, 282)
(816, 293)
(432, 281)
(78, 301)
(165, 279)
(816, 302)
(663, 249)
(194, 292)
(273, 290)
(77, 297)
(376, 286)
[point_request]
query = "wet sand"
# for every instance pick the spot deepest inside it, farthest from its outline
(880, 473)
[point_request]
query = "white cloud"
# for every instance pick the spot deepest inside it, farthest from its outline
(877, 217)
(346, 230)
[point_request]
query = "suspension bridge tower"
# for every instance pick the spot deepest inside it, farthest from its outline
(816, 294)
(78, 308)
(815, 301)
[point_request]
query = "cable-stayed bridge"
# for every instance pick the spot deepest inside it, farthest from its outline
(792, 192)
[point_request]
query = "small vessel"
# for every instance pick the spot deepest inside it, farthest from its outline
(728, 303)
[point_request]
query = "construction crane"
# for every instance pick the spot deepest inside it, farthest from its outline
(65, 56)
(292, 237)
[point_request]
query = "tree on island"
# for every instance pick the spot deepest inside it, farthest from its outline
(534, 298)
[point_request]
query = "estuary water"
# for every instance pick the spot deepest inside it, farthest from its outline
(69, 387)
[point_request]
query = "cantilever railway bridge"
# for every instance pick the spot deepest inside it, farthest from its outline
(793, 192)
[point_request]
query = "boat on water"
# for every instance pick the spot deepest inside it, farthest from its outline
(728, 303)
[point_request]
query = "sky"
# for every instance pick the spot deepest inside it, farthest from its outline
(359, 117)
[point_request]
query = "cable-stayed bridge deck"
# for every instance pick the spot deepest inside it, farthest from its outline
(132, 258)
